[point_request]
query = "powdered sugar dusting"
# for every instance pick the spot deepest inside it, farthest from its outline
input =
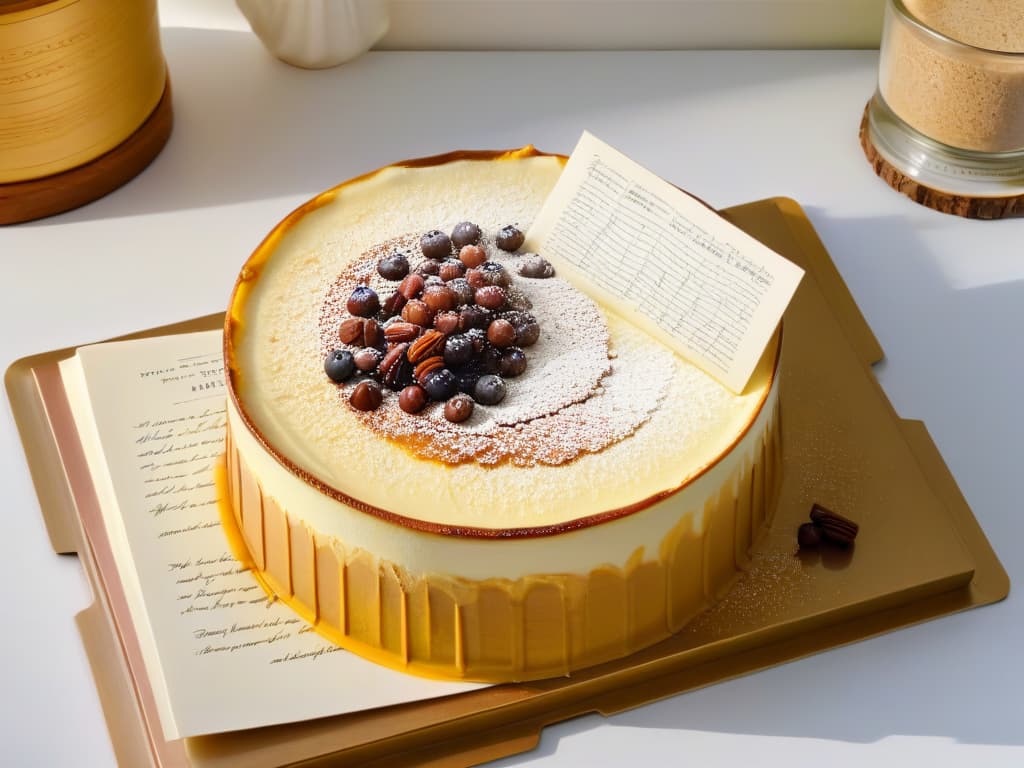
(577, 396)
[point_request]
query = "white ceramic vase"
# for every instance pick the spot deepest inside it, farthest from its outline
(316, 33)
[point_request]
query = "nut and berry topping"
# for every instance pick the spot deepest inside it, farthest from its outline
(510, 238)
(455, 327)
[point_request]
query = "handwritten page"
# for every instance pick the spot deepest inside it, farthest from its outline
(219, 654)
(663, 260)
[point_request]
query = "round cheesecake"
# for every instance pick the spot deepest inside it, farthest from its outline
(613, 494)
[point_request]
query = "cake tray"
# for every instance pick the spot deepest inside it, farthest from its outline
(845, 447)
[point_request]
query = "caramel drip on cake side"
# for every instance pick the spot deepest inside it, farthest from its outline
(537, 626)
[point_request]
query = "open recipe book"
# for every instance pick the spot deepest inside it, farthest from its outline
(219, 655)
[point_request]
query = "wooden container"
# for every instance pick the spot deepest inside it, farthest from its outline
(84, 101)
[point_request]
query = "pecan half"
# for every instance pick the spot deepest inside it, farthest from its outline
(396, 333)
(835, 527)
(431, 343)
(391, 366)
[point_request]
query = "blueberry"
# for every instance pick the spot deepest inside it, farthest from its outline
(440, 385)
(509, 238)
(339, 365)
(513, 362)
(465, 233)
(458, 350)
(393, 267)
(363, 302)
(467, 380)
(490, 359)
(489, 389)
(435, 244)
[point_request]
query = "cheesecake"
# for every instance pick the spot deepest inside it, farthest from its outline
(457, 464)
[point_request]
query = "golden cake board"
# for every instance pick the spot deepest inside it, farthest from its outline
(844, 447)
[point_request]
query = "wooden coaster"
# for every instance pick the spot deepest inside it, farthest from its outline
(940, 200)
(36, 198)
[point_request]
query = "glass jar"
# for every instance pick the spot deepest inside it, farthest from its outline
(949, 107)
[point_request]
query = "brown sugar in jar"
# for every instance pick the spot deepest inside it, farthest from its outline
(954, 71)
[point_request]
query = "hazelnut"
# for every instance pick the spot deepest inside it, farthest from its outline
(412, 399)
(446, 322)
(472, 255)
(366, 360)
(501, 333)
(439, 298)
(418, 312)
(458, 408)
(490, 297)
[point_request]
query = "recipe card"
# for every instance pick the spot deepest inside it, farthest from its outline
(664, 261)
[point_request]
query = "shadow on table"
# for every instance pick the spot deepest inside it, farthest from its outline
(248, 127)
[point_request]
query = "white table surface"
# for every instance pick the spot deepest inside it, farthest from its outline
(253, 138)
